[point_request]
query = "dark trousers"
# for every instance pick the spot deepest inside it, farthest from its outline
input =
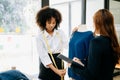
(47, 73)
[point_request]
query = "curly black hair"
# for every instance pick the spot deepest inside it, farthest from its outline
(45, 14)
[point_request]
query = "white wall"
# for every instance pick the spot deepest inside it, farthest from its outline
(92, 6)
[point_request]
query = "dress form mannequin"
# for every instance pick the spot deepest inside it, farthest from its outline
(82, 28)
(78, 46)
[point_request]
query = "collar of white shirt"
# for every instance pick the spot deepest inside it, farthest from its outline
(47, 34)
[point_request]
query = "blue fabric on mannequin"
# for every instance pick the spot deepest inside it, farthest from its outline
(79, 47)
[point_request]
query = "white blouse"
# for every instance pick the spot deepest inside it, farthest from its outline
(57, 42)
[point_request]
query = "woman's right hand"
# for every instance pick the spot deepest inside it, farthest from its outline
(61, 72)
(75, 59)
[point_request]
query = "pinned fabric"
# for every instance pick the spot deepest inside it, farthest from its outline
(79, 47)
(12, 75)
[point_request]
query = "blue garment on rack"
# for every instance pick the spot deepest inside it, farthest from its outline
(79, 47)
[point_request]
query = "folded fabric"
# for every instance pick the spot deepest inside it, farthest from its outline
(12, 75)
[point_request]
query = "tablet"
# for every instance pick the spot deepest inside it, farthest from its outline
(64, 58)
(68, 59)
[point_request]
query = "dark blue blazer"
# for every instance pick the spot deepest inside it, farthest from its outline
(79, 47)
